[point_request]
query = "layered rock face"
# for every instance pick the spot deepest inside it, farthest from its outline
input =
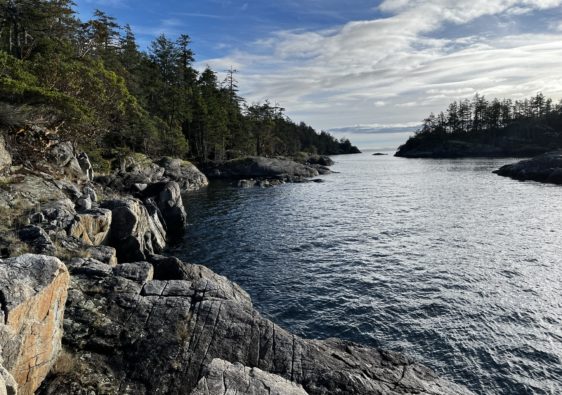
(544, 168)
(33, 292)
(5, 156)
(140, 331)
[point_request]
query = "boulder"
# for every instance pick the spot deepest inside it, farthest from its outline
(223, 377)
(105, 254)
(34, 291)
(135, 231)
(167, 197)
(61, 154)
(91, 193)
(5, 156)
(37, 239)
(60, 213)
(84, 203)
(545, 168)
(178, 335)
(246, 183)
(92, 226)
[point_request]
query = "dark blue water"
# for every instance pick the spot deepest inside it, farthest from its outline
(439, 259)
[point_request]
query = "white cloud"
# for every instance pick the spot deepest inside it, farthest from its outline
(391, 71)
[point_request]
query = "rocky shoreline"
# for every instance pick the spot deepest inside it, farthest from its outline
(91, 306)
(546, 168)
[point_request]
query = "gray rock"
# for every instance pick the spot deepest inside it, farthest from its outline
(34, 291)
(61, 154)
(5, 156)
(91, 193)
(260, 167)
(188, 177)
(223, 377)
(135, 232)
(246, 183)
(105, 254)
(86, 165)
(84, 203)
(37, 218)
(8, 385)
(59, 213)
(164, 336)
(37, 239)
(168, 200)
(545, 168)
(139, 272)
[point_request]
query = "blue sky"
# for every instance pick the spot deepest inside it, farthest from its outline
(368, 70)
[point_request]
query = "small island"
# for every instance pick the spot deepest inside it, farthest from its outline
(483, 128)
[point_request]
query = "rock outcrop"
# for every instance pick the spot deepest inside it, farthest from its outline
(544, 168)
(223, 377)
(92, 226)
(33, 292)
(264, 168)
(138, 171)
(136, 231)
(134, 334)
(167, 197)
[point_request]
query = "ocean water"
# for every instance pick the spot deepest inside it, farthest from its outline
(439, 259)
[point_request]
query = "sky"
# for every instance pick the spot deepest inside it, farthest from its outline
(367, 70)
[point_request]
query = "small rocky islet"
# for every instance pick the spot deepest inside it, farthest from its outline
(90, 305)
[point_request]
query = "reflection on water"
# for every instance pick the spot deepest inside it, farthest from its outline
(440, 259)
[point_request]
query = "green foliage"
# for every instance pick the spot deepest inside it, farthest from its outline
(96, 87)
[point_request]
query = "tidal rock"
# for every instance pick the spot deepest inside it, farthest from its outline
(85, 165)
(260, 167)
(135, 232)
(34, 292)
(544, 168)
(92, 226)
(223, 377)
(166, 336)
(167, 197)
(5, 157)
(321, 160)
(37, 239)
(246, 183)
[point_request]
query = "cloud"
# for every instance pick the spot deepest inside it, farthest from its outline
(398, 68)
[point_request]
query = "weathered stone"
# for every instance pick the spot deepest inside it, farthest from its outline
(135, 232)
(85, 165)
(34, 292)
(8, 385)
(91, 192)
(84, 203)
(188, 177)
(61, 154)
(164, 336)
(139, 272)
(105, 254)
(37, 239)
(5, 157)
(246, 183)
(92, 226)
(167, 197)
(260, 167)
(223, 377)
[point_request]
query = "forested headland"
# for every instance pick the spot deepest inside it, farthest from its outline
(89, 82)
(481, 127)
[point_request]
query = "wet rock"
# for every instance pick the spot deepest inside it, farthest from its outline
(223, 377)
(92, 226)
(135, 232)
(168, 200)
(246, 183)
(34, 292)
(37, 239)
